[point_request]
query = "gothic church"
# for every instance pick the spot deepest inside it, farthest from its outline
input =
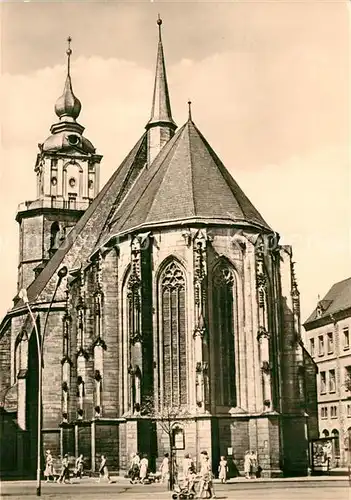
(178, 301)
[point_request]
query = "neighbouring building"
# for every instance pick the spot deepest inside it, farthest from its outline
(179, 300)
(328, 338)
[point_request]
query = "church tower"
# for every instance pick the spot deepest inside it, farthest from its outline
(160, 128)
(67, 169)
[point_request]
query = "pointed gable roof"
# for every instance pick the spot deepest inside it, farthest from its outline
(81, 240)
(186, 182)
(336, 300)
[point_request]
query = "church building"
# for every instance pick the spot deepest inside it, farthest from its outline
(179, 306)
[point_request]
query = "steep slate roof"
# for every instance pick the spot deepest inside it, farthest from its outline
(81, 240)
(186, 182)
(337, 299)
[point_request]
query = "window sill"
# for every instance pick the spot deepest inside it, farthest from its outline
(346, 348)
(330, 352)
(323, 393)
(333, 391)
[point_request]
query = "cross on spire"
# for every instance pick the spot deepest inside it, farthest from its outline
(69, 52)
(189, 111)
(159, 23)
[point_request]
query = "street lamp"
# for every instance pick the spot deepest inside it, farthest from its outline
(40, 344)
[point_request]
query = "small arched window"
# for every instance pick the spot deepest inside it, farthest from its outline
(54, 236)
(325, 433)
(335, 434)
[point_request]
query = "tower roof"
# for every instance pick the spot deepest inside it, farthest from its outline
(187, 182)
(161, 113)
(68, 106)
(67, 133)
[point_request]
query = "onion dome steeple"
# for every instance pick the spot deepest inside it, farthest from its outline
(68, 105)
(161, 126)
(67, 133)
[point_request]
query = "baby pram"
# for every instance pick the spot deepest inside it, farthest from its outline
(182, 493)
(187, 491)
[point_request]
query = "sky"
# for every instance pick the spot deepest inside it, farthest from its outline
(269, 83)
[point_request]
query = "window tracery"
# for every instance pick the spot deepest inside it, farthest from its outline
(172, 316)
(224, 313)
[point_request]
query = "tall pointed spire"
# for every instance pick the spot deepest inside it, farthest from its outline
(68, 105)
(161, 126)
(161, 106)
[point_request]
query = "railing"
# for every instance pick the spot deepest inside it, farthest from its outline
(71, 204)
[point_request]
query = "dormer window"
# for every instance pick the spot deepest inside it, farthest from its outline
(319, 312)
(72, 182)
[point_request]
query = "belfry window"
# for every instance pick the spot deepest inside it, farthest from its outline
(172, 335)
(54, 236)
(224, 335)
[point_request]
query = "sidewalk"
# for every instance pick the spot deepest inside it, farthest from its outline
(237, 480)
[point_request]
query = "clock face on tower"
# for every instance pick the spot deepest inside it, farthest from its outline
(73, 139)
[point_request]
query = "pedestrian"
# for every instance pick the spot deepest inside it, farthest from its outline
(164, 469)
(253, 465)
(247, 464)
(144, 464)
(103, 470)
(79, 467)
(206, 483)
(64, 476)
(189, 473)
(134, 468)
(49, 466)
(223, 470)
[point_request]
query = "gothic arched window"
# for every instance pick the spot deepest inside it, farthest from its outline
(172, 335)
(224, 307)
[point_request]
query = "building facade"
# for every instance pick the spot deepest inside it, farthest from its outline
(180, 306)
(328, 336)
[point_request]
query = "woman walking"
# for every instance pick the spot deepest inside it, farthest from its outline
(247, 464)
(103, 470)
(144, 464)
(206, 483)
(49, 466)
(164, 468)
(64, 476)
(79, 467)
(134, 468)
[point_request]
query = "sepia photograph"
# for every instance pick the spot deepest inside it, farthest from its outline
(175, 248)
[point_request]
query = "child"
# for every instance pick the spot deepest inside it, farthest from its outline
(223, 469)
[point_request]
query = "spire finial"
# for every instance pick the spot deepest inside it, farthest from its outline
(159, 23)
(68, 105)
(189, 111)
(69, 53)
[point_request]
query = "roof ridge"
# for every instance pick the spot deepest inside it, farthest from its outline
(222, 169)
(157, 164)
(118, 198)
(191, 166)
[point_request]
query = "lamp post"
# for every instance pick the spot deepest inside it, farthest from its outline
(40, 344)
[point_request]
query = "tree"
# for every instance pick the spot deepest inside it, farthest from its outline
(167, 418)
